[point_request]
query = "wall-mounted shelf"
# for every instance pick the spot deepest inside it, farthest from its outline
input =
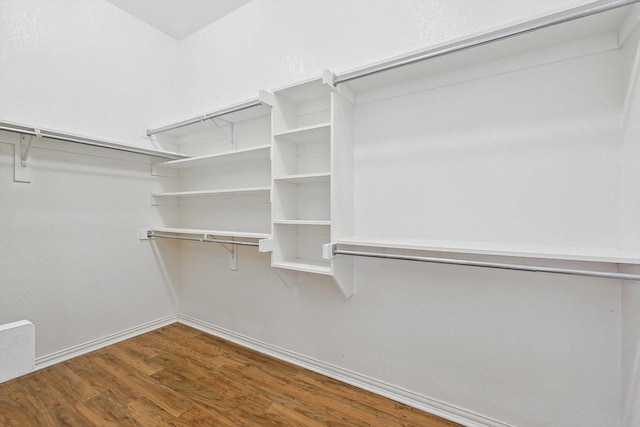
(202, 232)
(305, 265)
(241, 155)
(302, 222)
(225, 237)
(220, 192)
(226, 183)
(305, 134)
(304, 178)
(494, 249)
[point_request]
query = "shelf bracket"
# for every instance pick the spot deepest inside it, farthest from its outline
(233, 260)
(266, 97)
(329, 78)
(288, 277)
(232, 136)
(329, 250)
(22, 168)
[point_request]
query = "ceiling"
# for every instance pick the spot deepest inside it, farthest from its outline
(179, 18)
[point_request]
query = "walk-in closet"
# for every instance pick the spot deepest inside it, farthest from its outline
(320, 212)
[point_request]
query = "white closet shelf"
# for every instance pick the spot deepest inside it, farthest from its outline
(225, 233)
(304, 178)
(482, 47)
(236, 113)
(306, 133)
(246, 190)
(304, 91)
(302, 222)
(524, 251)
(242, 155)
(305, 265)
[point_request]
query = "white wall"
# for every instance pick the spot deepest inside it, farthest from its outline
(271, 43)
(526, 349)
(70, 260)
(84, 67)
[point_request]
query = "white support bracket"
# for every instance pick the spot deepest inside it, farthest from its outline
(289, 277)
(265, 245)
(22, 168)
(327, 250)
(329, 78)
(266, 97)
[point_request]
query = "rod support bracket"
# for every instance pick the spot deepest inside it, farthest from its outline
(329, 250)
(329, 78)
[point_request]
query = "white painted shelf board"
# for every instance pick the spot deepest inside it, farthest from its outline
(524, 251)
(306, 133)
(208, 126)
(304, 178)
(213, 192)
(304, 91)
(242, 155)
(226, 233)
(301, 222)
(306, 265)
(543, 38)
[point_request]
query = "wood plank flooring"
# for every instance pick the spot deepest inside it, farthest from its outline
(179, 376)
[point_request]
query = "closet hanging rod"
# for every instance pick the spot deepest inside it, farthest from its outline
(204, 239)
(233, 109)
(483, 39)
(503, 266)
(93, 142)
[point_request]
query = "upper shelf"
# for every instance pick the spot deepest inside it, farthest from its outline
(584, 22)
(197, 193)
(247, 110)
(495, 249)
(94, 142)
(247, 154)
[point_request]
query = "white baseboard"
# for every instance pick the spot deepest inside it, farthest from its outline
(78, 350)
(390, 391)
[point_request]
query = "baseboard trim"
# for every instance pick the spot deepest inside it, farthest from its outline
(427, 404)
(78, 350)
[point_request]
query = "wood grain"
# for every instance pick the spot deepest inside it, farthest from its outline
(179, 376)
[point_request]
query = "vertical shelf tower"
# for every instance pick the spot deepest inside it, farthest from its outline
(312, 155)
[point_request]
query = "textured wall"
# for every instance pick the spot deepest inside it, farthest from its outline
(70, 260)
(84, 67)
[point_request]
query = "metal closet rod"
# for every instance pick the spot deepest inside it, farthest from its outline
(229, 110)
(204, 239)
(483, 39)
(502, 266)
(95, 143)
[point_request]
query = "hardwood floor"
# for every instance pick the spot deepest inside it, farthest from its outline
(179, 376)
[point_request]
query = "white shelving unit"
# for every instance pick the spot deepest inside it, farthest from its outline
(306, 165)
(437, 148)
(224, 188)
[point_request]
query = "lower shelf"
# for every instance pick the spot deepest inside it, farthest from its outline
(226, 233)
(524, 251)
(305, 265)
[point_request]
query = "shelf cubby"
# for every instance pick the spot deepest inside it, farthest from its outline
(299, 247)
(301, 105)
(304, 150)
(302, 199)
